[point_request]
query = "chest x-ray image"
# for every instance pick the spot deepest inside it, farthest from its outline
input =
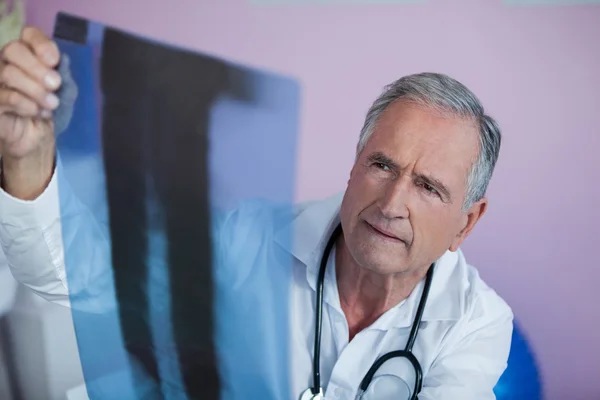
(156, 143)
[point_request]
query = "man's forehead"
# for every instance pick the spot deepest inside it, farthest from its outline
(409, 128)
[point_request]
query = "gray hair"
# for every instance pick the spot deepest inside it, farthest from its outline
(446, 95)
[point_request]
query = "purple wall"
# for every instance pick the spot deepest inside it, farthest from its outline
(535, 68)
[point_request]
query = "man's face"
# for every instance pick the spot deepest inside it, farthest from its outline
(403, 205)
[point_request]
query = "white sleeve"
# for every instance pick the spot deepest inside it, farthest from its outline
(33, 236)
(470, 367)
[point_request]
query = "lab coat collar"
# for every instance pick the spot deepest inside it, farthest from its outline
(310, 230)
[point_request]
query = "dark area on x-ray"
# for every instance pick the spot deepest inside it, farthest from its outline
(155, 119)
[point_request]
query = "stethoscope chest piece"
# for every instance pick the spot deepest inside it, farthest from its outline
(308, 395)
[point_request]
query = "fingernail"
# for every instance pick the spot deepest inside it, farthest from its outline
(52, 80)
(46, 114)
(52, 101)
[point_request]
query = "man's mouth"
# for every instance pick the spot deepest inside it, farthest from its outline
(382, 232)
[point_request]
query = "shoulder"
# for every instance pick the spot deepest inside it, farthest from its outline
(483, 302)
(257, 214)
(483, 314)
(261, 214)
(476, 342)
(459, 292)
(252, 224)
(244, 236)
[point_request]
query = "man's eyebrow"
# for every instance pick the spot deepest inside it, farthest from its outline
(379, 157)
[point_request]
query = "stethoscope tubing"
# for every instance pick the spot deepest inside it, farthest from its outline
(319, 313)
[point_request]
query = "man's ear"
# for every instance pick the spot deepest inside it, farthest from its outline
(468, 221)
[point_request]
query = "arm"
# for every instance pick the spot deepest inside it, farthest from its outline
(37, 235)
(60, 249)
(470, 365)
(40, 228)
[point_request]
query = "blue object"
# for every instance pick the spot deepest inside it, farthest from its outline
(521, 380)
(76, 119)
(145, 110)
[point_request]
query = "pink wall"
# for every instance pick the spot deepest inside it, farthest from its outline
(536, 69)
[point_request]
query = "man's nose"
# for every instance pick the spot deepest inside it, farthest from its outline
(393, 204)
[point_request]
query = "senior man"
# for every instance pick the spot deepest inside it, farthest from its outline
(381, 265)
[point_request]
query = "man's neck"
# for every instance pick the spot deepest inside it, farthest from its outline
(365, 295)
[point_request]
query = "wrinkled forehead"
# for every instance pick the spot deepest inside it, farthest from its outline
(420, 137)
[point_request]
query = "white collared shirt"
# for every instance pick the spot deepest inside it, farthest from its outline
(266, 282)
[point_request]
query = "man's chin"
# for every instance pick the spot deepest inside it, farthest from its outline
(386, 265)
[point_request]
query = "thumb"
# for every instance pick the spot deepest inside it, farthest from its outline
(67, 95)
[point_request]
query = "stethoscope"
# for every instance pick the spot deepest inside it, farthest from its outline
(316, 391)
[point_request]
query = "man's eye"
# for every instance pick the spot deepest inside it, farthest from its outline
(381, 166)
(430, 189)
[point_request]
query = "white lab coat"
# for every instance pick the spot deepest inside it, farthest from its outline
(266, 287)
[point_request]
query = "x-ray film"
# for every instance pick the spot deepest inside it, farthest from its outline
(159, 148)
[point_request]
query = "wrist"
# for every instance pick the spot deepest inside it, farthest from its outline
(27, 177)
